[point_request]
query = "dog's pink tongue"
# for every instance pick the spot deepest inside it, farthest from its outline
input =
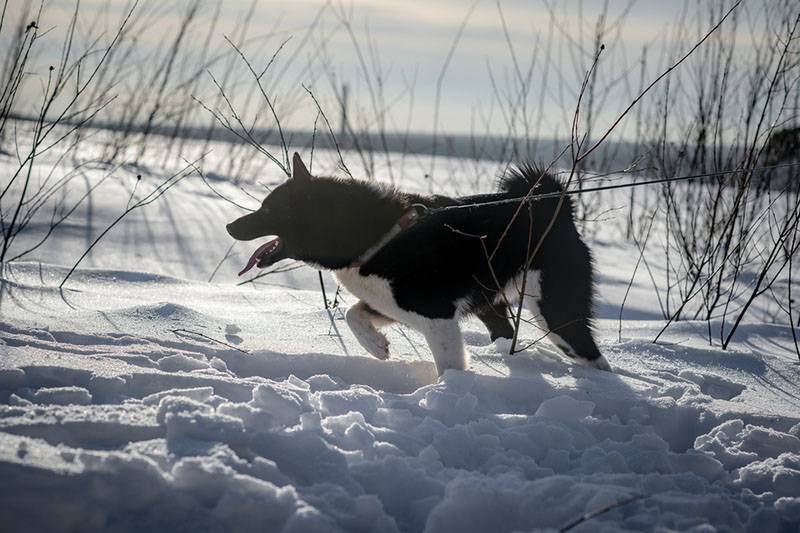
(260, 251)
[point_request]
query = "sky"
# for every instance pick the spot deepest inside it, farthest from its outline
(396, 55)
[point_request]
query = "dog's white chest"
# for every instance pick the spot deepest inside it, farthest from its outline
(374, 290)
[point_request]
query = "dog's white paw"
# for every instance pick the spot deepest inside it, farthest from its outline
(375, 343)
(601, 363)
(502, 345)
(365, 332)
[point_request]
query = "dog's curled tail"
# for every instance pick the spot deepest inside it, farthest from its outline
(519, 181)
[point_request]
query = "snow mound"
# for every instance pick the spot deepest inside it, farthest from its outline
(147, 429)
(470, 452)
(63, 396)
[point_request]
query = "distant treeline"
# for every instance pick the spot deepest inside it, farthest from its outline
(462, 146)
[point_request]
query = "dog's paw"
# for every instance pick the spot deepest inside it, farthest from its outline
(601, 363)
(372, 340)
(375, 343)
(367, 336)
(502, 345)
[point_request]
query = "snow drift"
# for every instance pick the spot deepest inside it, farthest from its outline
(143, 397)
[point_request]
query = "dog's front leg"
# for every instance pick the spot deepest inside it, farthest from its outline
(446, 343)
(364, 323)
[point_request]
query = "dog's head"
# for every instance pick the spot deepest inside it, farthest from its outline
(324, 221)
(278, 216)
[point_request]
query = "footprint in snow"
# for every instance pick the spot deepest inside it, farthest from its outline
(231, 336)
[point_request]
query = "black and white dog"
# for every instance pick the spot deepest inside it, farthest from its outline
(464, 256)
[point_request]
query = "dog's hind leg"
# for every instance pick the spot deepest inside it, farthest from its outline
(495, 318)
(364, 322)
(446, 343)
(574, 339)
(564, 308)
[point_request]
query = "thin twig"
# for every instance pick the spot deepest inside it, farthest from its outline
(180, 331)
(603, 510)
(342, 164)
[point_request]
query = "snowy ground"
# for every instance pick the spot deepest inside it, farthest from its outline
(143, 397)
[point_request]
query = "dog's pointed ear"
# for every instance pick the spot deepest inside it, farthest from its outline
(299, 170)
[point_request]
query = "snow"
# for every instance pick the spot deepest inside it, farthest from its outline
(141, 396)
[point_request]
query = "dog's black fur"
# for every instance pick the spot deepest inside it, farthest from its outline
(439, 266)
